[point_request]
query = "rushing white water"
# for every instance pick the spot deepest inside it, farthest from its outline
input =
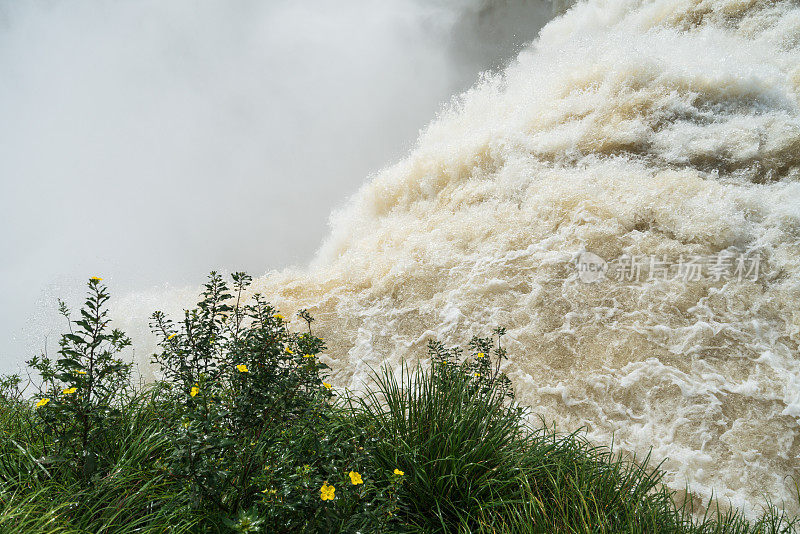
(669, 127)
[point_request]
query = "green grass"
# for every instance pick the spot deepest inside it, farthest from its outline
(471, 464)
(243, 434)
(134, 496)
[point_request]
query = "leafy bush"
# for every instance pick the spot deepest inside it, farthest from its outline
(78, 394)
(258, 436)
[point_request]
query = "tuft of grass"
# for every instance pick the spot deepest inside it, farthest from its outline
(456, 447)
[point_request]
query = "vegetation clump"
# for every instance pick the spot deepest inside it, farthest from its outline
(243, 432)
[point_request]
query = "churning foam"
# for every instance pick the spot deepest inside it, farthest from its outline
(670, 128)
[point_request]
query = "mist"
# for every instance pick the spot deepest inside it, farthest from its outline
(149, 142)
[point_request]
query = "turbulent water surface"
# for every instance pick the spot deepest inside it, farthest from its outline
(667, 128)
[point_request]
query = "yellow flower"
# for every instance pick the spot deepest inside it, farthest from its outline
(242, 368)
(289, 351)
(195, 390)
(278, 316)
(186, 424)
(481, 355)
(355, 478)
(327, 386)
(172, 336)
(398, 472)
(69, 391)
(308, 355)
(96, 279)
(477, 374)
(42, 402)
(327, 492)
(81, 372)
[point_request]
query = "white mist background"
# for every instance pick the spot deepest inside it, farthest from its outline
(149, 142)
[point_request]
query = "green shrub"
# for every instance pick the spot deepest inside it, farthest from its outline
(258, 434)
(237, 378)
(77, 397)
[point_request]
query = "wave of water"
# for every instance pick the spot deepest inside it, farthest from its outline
(664, 128)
